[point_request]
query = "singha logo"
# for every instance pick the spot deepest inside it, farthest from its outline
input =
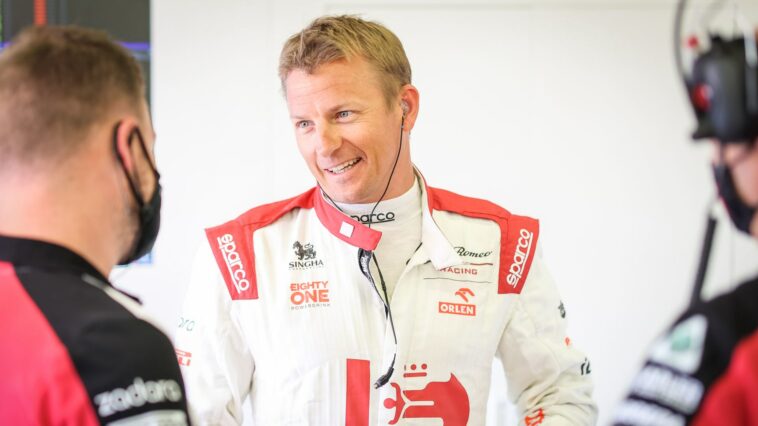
(304, 252)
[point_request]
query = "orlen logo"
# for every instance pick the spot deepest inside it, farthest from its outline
(136, 395)
(465, 309)
(309, 294)
(233, 262)
(523, 249)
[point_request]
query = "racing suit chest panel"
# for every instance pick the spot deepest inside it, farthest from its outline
(315, 308)
(464, 297)
(449, 321)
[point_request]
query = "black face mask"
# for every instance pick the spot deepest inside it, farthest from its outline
(741, 213)
(149, 214)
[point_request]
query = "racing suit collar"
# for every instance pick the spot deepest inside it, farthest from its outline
(433, 241)
(44, 255)
(344, 227)
(435, 246)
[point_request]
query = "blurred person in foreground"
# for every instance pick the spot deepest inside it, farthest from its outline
(372, 299)
(79, 193)
(704, 369)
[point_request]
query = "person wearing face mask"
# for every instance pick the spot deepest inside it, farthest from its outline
(79, 193)
(373, 298)
(704, 369)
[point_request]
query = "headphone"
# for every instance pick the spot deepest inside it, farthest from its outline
(404, 107)
(723, 85)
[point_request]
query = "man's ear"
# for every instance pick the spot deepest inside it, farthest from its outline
(409, 101)
(123, 135)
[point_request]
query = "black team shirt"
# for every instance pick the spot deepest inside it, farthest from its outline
(74, 350)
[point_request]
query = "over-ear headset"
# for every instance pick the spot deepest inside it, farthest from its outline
(722, 86)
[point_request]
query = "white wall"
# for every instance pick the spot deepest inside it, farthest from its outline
(569, 111)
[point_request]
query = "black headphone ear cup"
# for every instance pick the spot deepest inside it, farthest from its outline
(724, 75)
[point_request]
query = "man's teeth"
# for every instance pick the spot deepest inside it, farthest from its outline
(342, 168)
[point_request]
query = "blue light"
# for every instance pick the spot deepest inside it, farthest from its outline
(134, 47)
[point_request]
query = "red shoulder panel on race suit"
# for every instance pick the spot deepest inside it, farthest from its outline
(232, 243)
(518, 234)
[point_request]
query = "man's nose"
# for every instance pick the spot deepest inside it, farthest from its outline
(329, 140)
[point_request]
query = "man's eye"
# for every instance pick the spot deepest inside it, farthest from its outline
(344, 114)
(302, 124)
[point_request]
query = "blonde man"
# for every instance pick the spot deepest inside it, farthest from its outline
(372, 299)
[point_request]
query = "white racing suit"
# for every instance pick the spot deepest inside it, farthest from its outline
(281, 308)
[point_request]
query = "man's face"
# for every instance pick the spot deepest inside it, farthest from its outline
(742, 160)
(345, 131)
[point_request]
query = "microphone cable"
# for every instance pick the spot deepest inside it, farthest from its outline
(383, 379)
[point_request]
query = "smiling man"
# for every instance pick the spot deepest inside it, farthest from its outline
(372, 299)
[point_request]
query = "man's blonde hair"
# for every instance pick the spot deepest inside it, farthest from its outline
(332, 38)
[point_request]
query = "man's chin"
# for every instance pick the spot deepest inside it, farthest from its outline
(346, 195)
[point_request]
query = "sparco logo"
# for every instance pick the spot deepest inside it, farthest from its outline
(136, 395)
(375, 218)
(463, 252)
(306, 257)
(233, 262)
(519, 258)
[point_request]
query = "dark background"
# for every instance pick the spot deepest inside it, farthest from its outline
(127, 21)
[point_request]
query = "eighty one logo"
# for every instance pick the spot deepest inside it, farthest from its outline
(523, 249)
(136, 395)
(233, 262)
(309, 294)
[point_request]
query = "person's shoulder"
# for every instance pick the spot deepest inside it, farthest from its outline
(695, 353)
(734, 313)
(442, 199)
(518, 234)
(702, 339)
(83, 349)
(126, 355)
(448, 201)
(269, 213)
